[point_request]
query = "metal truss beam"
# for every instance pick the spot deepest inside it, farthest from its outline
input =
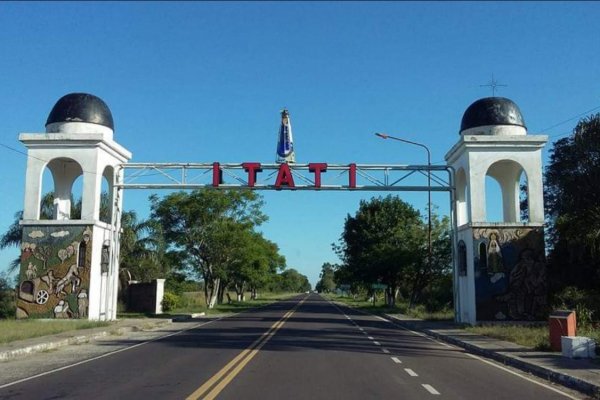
(351, 177)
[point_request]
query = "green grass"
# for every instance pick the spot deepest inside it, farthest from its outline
(418, 311)
(194, 303)
(534, 337)
(13, 330)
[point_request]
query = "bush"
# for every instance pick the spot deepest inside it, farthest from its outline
(586, 304)
(178, 283)
(7, 299)
(170, 301)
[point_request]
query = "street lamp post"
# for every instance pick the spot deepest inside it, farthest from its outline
(386, 136)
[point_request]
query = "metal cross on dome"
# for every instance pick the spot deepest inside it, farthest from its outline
(493, 84)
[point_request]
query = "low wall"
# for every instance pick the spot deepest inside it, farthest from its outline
(146, 297)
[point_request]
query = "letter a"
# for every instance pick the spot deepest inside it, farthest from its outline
(284, 177)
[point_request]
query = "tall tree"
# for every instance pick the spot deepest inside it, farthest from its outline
(572, 198)
(201, 227)
(294, 281)
(326, 278)
(255, 260)
(386, 242)
(143, 249)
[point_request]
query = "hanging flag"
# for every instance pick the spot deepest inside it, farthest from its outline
(285, 142)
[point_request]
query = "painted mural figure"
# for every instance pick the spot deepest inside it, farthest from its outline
(71, 277)
(526, 287)
(536, 287)
(62, 311)
(494, 257)
(31, 271)
(516, 286)
(104, 259)
(49, 280)
(82, 304)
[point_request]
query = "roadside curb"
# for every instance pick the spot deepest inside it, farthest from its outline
(187, 317)
(55, 343)
(589, 388)
(37, 345)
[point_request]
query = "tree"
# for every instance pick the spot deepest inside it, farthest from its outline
(381, 241)
(294, 281)
(255, 260)
(14, 235)
(142, 249)
(572, 197)
(386, 242)
(201, 227)
(7, 297)
(326, 278)
(427, 273)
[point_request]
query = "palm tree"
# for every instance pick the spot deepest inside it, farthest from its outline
(142, 248)
(133, 231)
(12, 238)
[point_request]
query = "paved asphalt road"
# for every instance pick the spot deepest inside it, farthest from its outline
(303, 348)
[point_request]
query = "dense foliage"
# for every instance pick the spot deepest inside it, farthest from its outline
(289, 280)
(7, 297)
(572, 198)
(212, 234)
(386, 243)
(326, 283)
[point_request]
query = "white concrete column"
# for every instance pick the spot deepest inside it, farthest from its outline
(509, 184)
(92, 187)
(160, 293)
(33, 187)
(462, 212)
(535, 190)
(476, 191)
(64, 174)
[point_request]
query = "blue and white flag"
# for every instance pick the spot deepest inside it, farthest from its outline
(285, 142)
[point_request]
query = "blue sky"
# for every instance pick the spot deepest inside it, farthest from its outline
(204, 82)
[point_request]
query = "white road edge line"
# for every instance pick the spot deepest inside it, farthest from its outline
(522, 376)
(106, 354)
(430, 388)
(396, 360)
(473, 356)
(410, 372)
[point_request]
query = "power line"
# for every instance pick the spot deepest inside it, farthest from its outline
(37, 158)
(46, 161)
(570, 119)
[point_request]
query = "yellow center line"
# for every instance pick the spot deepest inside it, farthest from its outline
(230, 371)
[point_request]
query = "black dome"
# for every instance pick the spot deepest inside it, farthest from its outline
(81, 107)
(492, 111)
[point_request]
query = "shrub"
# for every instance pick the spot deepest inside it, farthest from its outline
(585, 302)
(170, 301)
(7, 299)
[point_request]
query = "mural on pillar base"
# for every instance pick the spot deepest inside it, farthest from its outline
(55, 272)
(510, 273)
